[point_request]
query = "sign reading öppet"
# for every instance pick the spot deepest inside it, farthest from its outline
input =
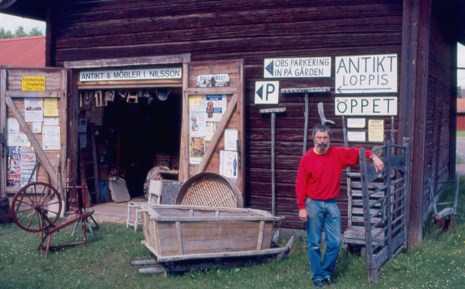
(366, 74)
(372, 106)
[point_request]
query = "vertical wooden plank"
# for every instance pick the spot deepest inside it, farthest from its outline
(179, 238)
(3, 76)
(413, 97)
(73, 113)
(155, 234)
(240, 111)
(372, 270)
(260, 235)
(63, 115)
(184, 149)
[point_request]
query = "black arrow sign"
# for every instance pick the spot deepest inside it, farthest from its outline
(260, 92)
(340, 89)
(270, 68)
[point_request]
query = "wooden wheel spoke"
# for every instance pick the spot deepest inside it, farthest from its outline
(36, 206)
(26, 215)
(18, 205)
(28, 197)
(46, 211)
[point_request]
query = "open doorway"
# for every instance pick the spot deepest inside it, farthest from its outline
(125, 133)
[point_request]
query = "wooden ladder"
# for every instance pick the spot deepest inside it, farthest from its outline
(88, 168)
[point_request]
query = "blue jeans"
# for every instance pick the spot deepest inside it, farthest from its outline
(323, 215)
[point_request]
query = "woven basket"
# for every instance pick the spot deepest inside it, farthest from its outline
(209, 189)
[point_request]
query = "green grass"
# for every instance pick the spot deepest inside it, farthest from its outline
(461, 133)
(438, 262)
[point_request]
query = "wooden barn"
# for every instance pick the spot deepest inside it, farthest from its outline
(185, 84)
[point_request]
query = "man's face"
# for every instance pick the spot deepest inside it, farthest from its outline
(322, 141)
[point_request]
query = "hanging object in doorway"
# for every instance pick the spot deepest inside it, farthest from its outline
(85, 99)
(162, 93)
(123, 94)
(109, 96)
(132, 98)
(98, 98)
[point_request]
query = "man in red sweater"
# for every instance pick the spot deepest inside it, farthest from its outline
(317, 186)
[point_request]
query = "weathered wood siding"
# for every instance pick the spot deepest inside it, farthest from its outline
(441, 111)
(240, 29)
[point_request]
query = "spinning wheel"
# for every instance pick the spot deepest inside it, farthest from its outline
(36, 207)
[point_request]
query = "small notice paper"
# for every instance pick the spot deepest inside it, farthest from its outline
(51, 137)
(50, 107)
(33, 83)
(376, 130)
(356, 136)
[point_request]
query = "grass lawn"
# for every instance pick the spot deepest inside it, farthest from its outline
(438, 262)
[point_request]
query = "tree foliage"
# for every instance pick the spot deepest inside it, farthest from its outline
(19, 32)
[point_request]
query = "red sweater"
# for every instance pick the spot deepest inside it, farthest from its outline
(319, 176)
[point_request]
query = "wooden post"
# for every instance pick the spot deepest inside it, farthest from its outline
(273, 112)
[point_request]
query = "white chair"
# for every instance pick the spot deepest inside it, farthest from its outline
(155, 191)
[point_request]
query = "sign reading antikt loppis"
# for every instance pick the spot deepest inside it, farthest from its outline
(366, 74)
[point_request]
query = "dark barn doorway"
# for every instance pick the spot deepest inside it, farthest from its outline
(127, 133)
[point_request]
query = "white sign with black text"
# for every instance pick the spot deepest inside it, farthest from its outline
(372, 106)
(366, 74)
(266, 92)
(303, 67)
(131, 74)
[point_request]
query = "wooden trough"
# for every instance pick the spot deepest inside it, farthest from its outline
(179, 232)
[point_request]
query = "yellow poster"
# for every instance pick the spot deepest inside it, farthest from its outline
(50, 107)
(33, 83)
(376, 130)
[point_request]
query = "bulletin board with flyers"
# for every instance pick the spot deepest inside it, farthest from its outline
(212, 137)
(33, 126)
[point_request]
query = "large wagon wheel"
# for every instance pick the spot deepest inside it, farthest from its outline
(36, 207)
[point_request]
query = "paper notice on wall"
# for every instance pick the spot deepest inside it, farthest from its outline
(211, 129)
(228, 164)
(230, 139)
(20, 166)
(51, 137)
(28, 162)
(14, 167)
(37, 127)
(356, 123)
(34, 109)
(50, 107)
(356, 136)
(18, 139)
(12, 125)
(197, 103)
(376, 130)
(51, 121)
(215, 107)
(197, 124)
(196, 150)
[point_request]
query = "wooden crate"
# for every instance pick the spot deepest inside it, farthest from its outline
(177, 232)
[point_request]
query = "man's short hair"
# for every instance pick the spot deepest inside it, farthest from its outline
(321, 128)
